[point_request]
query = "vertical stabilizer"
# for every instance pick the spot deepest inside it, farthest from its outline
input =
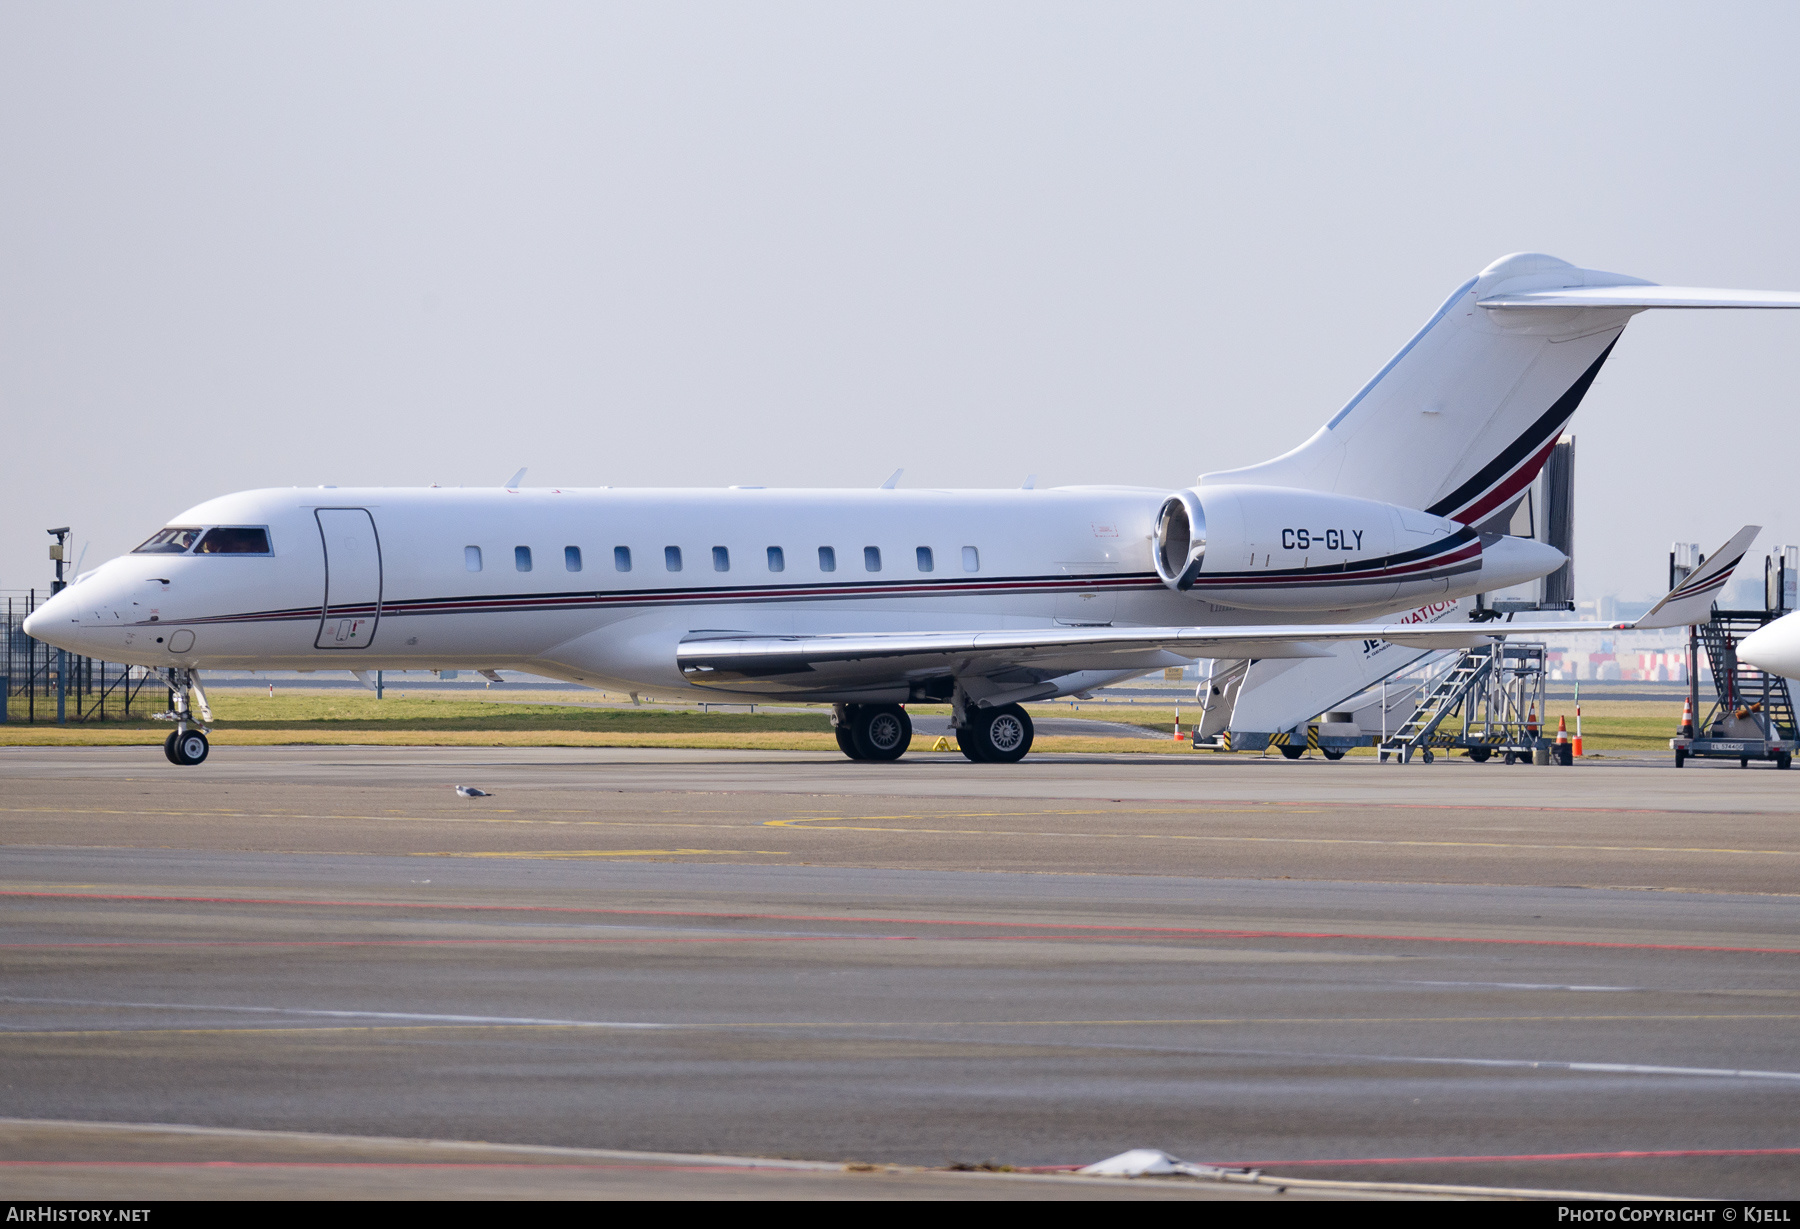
(1461, 420)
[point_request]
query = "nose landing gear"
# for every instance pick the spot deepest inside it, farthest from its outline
(188, 745)
(186, 748)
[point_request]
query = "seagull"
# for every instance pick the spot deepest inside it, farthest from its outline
(469, 791)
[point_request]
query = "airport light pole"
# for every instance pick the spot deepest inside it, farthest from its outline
(58, 553)
(58, 550)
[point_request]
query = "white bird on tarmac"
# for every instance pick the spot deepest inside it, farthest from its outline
(469, 791)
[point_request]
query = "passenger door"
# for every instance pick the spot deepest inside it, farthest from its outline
(352, 603)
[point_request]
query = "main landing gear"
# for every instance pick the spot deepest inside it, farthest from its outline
(995, 735)
(187, 746)
(872, 731)
(1000, 735)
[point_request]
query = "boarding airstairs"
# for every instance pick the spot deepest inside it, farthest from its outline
(1483, 700)
(1752, 715)
(1740, 686)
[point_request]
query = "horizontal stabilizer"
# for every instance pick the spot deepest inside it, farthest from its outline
(1643, 297)
(1691, 600)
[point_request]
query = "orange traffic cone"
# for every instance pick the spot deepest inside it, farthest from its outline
(1562, 728)
(1687, 716)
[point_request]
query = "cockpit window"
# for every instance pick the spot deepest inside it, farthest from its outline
(234, 540)
(170, 541)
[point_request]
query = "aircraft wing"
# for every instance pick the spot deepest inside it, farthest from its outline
(1025, 661)
(825, 664)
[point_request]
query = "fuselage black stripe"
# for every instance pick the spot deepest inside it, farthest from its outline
(1533, 438)
(1456, 553)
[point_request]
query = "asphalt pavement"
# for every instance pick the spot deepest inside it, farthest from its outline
(1576, 979)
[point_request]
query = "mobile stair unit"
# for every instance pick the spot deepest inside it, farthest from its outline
(1752, 714)
(1484, 701)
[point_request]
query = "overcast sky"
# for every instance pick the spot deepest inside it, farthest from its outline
(802, 244)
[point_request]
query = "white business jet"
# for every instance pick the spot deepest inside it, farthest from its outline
(870, 599)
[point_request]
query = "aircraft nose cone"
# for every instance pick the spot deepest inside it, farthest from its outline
(49, 620)
(1775, 648)
(58, 622)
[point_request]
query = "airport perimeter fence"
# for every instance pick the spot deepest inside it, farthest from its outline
(39, 682)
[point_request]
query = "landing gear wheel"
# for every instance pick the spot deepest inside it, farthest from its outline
(1000, 735)
(1480, 754)
(880, 731)
(966, 743)
(1293, 753)
(1329, 754)
(1680, 758)
(189, 748)
(169, 748)
(846, 741)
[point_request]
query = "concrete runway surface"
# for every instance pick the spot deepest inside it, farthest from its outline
(1571, 979)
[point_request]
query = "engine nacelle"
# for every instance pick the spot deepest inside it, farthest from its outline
(1272, 548)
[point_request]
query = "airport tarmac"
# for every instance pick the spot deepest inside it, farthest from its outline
(1552, 979)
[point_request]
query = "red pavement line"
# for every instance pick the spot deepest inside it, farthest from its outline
(445, 942)
(756, 1169)
(1529, 1156)
(901, 921)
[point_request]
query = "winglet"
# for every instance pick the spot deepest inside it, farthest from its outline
(893, 480)
(512, 483)
(1691, 600)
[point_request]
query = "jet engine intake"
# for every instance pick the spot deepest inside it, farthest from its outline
(1275, 548)
(1180, 540)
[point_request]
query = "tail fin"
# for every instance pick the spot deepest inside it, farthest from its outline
(1461, 420)
(1691, 600)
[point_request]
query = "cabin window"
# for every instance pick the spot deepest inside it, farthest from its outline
(572, 558)
(776, 562)
(672, 558)
(621, 559)
(522, 558)
(827, 559)
(232, 540)
(924, 559)
(871, 559)
(472, 558)
(168, 542)
(721, 559)
(971, 559)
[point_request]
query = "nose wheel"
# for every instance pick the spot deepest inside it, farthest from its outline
(188, 745)
(186, 748)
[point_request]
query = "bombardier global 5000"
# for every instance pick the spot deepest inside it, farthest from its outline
(870, 599)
